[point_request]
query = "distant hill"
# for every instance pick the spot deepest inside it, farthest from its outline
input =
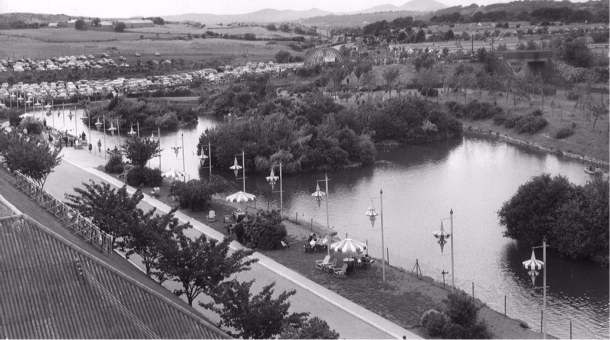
(361, 19)
(413, 5)
(264, 15)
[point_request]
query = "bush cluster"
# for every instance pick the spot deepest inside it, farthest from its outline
(474, 110)
(194, 194)
(458, 322)
(115, 165)
(564, 132)
(264, 231)
(138, 176)
(530, 124)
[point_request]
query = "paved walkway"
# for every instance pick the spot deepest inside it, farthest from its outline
(347, 318)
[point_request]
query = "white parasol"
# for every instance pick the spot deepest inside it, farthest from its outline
(348, 246)
(241, 196)
(173, 174)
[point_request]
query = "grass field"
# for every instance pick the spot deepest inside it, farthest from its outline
(62, 42)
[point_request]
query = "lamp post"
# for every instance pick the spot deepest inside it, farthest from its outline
(235, 167)
(318, 195)
(372, 214)
(183, 161)
(272, 179)
(442, 237)
(533, 265)
(202, 157)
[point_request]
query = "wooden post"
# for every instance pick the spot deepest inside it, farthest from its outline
(296, 218)
(473, 290)
(504, 305)
(570, 329)
(541, 318)
(388, 255)
(311, 224)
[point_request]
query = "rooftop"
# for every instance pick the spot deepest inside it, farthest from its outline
(52, 289)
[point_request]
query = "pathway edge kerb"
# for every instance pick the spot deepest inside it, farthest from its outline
(344, 304)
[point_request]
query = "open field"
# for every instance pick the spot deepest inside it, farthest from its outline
(126, 44)
(182, 29)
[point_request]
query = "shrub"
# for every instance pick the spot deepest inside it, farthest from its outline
(144, 177)
(33, 125)
(481, 110)
(537, 113)
(429, 92)
(462, 309)
(264, 231)
(511, 120)
(194, 194)
(434, 322)
(564, 132)
(115, 165)
(530, 124)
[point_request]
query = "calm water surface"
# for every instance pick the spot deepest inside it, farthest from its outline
(421, 184)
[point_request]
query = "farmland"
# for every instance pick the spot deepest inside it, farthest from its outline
(47, 43)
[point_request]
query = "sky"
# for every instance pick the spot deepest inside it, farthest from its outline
(129, 8)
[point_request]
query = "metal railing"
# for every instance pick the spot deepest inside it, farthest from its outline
(73, 220)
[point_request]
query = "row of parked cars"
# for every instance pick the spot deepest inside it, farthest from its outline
(30, 94)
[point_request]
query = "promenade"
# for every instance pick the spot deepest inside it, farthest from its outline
(347, 318)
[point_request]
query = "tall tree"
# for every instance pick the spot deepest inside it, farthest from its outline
(199, 265)
(313, 328)
(146, 235)
(110, 209)
(390, 76)
(140, 150)
(259, 316)
(597, 111)
(32, 158)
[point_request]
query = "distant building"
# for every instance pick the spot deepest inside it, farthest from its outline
(323, 55)
(138, 23)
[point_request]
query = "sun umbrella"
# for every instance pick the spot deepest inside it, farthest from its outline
(240, 196)
(348, 246)
(330, 238)
(173, 174)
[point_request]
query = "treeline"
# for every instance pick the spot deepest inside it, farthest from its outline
(308, 131)
(21, 25)
(563, 14)
(572, 218)
(149, 116)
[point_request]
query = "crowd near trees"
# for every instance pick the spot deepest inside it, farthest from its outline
(572, 218)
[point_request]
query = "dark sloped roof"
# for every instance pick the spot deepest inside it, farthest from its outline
(43, 294)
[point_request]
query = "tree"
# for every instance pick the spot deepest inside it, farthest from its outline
(368, 80)
(421, 36)
(32, 158)
(390, 76)
(530, 214)
(119, 26)
(597, 111)
(96, 22)
(199, 265)
(148, 232)
(158, 21)
(313, 328)
(140, 150)
(285, 28)
(79, 24)
(423, 60)
(113, 211)
(282, 56)
(271, 27)
(259, 316)
(577, 53)
(194, 194)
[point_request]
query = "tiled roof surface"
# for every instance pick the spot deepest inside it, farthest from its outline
(42, 294)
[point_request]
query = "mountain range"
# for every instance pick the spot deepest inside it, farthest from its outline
(273, 15)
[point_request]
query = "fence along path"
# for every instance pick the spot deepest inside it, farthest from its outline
(79, 224)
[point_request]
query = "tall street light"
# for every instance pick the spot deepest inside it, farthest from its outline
(202, 157)
(318, 195)
(272, 179)
(533, 265)
(372, 214)
(442, 237)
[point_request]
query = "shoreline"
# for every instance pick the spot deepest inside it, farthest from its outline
(471, 130)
